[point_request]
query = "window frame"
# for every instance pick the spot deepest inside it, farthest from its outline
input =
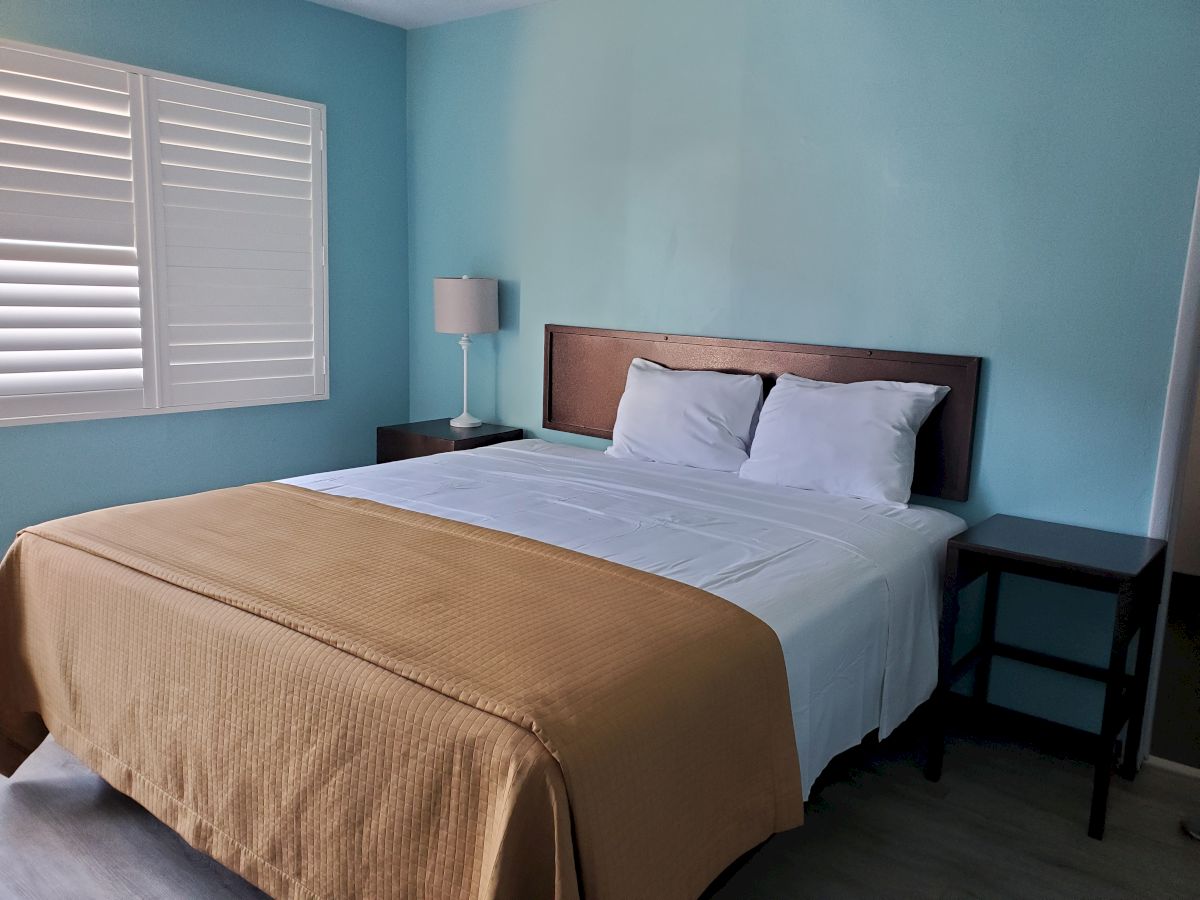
(147, 221)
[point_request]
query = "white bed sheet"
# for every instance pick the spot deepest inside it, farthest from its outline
(850, 587)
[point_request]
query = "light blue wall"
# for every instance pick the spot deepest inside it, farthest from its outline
(355, 67)
(1012, 180)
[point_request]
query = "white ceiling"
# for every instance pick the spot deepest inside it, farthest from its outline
(418, 13)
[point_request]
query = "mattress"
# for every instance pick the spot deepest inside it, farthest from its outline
(851, 588)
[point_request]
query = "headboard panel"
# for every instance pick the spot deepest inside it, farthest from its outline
(585, 377)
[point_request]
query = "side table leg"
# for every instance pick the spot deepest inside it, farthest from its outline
(1141, 685)
(1107, 741)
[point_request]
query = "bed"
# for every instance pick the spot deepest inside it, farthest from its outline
(850, 588)
(528, 670)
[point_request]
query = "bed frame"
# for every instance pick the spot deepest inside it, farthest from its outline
(586, 367)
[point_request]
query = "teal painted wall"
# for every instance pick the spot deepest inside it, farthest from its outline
(357, 68)
(1011, 180)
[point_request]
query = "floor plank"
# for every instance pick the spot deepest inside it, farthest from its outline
(65, 833)
(1005, 821)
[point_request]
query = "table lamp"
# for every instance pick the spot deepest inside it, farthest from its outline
(465, 306)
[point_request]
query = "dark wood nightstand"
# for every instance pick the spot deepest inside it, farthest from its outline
(413, 439)
(1130, 567)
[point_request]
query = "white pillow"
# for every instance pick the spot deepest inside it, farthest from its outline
(699, 419)
(856, 440)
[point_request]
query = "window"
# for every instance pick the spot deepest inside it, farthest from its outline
(162, 242)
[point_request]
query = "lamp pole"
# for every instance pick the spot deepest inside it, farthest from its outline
(466, 420)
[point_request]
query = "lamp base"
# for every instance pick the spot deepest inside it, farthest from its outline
(466, 420)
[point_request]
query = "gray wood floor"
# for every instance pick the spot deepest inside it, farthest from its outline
(1005, 821)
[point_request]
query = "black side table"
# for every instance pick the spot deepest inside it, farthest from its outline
(415, 439)
(1131, 567)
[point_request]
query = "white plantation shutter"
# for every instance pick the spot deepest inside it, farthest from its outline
(70, 305)
(161, 242)
(239, 245)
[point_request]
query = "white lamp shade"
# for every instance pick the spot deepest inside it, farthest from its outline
(465, 305)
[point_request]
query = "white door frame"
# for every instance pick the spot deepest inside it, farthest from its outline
(1173, 444)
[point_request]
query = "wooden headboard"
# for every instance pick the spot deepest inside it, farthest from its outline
(586, 368)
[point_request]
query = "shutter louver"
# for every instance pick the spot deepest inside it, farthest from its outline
(239, 316)
(70, 303)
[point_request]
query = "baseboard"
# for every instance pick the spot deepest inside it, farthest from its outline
(1168, 765)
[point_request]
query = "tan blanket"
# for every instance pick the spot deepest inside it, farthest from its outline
(340, 699)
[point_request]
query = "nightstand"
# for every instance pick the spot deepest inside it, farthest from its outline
(413, 439)
(1130, 567)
